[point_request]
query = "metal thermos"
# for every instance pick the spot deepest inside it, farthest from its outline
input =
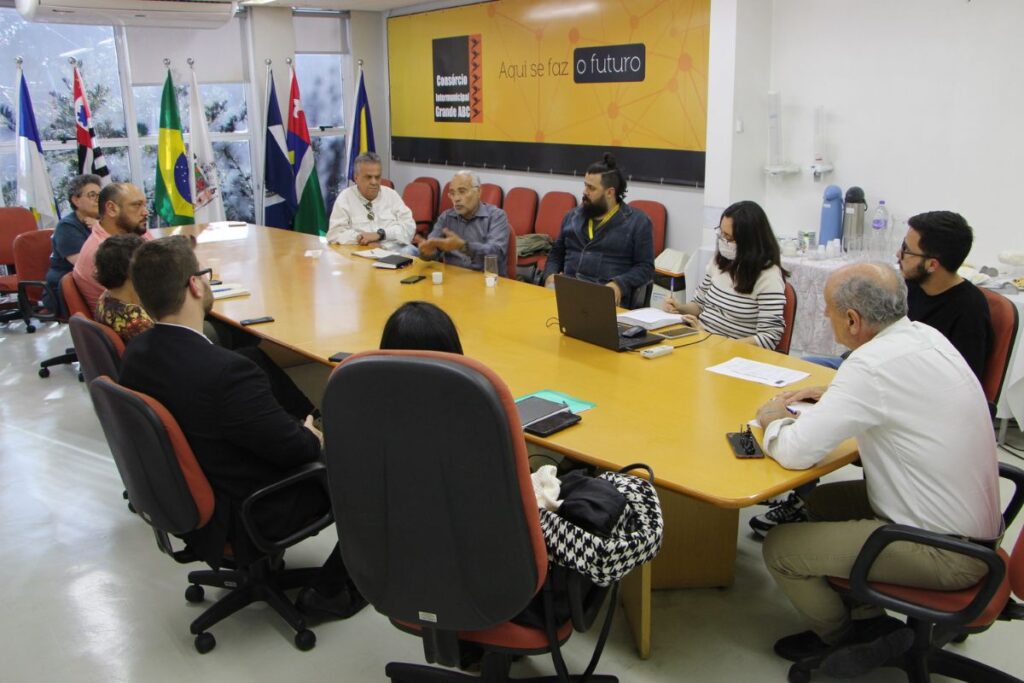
(853, 219)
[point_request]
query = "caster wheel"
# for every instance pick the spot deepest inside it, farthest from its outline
(81, 377)
(205, 642)
(305, 640)
(798, 675)
(960, 637)
(30, 328)
(44, 372)
(195, 593)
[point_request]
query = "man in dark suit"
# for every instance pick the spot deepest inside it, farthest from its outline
(241, 436)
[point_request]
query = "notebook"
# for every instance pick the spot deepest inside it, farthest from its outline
(393, 261)
(534, 409)
(586, 311)
(228, 290)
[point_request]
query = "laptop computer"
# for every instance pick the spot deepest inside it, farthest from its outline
(586, 311)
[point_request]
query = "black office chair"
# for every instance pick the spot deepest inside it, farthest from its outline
(98, 348)
(169, 491)
(438, 521)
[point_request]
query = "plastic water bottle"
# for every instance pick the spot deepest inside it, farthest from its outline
(880, 232)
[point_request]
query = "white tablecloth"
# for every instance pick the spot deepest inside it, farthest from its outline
(812, 333)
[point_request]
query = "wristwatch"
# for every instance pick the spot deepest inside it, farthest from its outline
(381, 235)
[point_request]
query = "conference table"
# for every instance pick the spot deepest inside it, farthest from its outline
(668, 412)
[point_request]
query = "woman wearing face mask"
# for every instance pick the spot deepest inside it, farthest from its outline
(742, 294)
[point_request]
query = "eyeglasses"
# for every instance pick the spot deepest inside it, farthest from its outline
(906, 252)
(90, 195)
(728, 238)
(369, 210)
(205, 273)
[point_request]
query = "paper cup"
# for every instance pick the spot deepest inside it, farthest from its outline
(437, 277)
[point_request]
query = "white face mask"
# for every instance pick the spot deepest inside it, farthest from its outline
(727, 249)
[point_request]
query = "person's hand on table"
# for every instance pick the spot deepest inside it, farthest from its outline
(308, 424)
(694, 322)
(810, 394)
(615, 288)
(774, 409)
(368, 237)
(669, 306)
(450, 242)
(428, 248)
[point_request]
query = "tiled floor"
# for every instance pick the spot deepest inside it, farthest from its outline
(87, 596)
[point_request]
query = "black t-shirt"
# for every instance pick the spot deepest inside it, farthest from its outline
(961, 314)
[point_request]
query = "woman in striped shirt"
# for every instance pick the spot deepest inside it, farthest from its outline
(743, 294)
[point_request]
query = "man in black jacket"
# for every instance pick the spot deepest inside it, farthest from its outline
(241, 436)
(604, 240)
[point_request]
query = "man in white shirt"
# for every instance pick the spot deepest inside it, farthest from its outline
(369, 213)
(925, 438)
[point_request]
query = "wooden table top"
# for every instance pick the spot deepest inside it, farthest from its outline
(668, 412)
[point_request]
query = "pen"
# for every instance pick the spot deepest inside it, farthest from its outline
(792, 410)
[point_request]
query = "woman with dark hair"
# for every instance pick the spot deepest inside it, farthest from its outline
(421, 326)
(118, 306)
(743, 294)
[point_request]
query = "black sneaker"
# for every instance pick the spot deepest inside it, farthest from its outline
(800, 646)
(790, 510)
(872, 643)
(342, 605)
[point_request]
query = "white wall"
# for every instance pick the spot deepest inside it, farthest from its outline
(924, 99)
(365, 31)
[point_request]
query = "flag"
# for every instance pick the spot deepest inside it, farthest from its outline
(90, 157)
(361, 139)
(172, 200)
(34, 191)
(278, 177)
(311, 216)
(203, 179)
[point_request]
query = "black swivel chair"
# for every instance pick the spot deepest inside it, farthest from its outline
(97, 347)
(168, 489)
(438, 521)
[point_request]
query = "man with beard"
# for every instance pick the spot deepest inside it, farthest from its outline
(464, 234)
(368, 213)
(936, 244)
(604, 240)
(123, 211)
(241, 436)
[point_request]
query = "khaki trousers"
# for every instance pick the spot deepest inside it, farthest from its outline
(800, 555)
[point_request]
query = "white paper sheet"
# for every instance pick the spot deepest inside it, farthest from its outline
(762, 373)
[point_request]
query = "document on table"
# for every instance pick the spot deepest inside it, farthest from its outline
(762, 373)
(375, 253)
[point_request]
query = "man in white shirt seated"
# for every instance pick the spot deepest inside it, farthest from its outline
(369, 213)
(925, 438)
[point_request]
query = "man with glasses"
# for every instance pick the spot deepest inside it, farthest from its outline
(464, 234)
(936, 245)
(368, 212)
(71, 233)
(122, 211)
(241, 435)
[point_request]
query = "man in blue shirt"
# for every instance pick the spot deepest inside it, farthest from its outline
(470, 230)
(604, 240)
(71, 233)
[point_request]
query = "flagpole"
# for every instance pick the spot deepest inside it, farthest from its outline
(263, 170)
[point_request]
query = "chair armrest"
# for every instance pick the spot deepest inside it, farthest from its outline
(1016, 476)
(314, 471)
(25, 304)
(892, 533)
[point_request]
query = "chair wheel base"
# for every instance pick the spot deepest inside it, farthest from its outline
(195, 593)
(798, 674)
(44, 372)
(205, 642)
(305, 640)
(30, 328)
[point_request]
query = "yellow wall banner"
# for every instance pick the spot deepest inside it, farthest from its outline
(548, 85)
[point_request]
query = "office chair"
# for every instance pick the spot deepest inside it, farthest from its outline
(550, 212)
(32, 260)
(75, 303)
(521, 209)
(14, 221)
(444, 200)
(442, 534)
(98, 347)
(788, 316)
(659, 220)
(169, 490)
(435, 193)
(938, 617)
(1005, 323)
(491, 194)
(419, 198)
(387, 182)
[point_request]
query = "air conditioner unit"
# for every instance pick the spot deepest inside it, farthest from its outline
(166, 13)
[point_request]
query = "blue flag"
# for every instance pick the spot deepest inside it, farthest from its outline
(361, 138)
(279, 203)
(33, 182)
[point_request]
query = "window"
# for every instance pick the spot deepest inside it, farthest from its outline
(321, 85)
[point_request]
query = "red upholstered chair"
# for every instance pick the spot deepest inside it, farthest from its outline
(13, 222)
(387, 183)
(1005, 323)
(454, 575)
(788, 316)
(419, 198)
(510, 256)
(98, 347)
(937, 617)
(521, 208)
(32, 260)
(435, 191)
(445, 200)
(659, 220)
(491, 194)
(73, 298)
(552, 209)
(170, 492)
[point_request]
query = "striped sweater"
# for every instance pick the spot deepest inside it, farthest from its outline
(725, 311)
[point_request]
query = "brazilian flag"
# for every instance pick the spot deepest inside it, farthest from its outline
(173, 199)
